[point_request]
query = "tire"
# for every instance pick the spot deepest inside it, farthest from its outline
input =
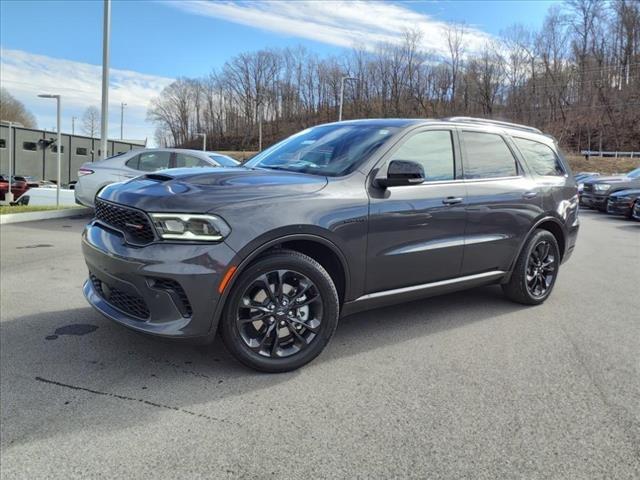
(281, 338)
(519, 288)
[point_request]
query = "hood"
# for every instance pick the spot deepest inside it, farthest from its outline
(631, 192)
(610, 179)
(200, 190)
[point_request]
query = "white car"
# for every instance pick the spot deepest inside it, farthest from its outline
(94, 176)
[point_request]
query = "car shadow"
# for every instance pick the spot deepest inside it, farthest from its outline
(67, 356)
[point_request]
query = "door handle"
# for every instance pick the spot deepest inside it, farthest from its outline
(452, 200)
(529, 195)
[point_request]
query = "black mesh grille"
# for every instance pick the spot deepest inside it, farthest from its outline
(587, 188)
(178, 293)
(134, 224)
(129, 304)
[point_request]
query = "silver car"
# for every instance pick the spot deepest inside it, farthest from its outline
(94, 176)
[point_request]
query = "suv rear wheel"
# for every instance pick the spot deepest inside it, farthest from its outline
(281, 313)
(536, 270)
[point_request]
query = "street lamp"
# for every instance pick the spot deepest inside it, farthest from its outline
(104, 121)
(58, 143)
(204, 141)
(342, 80)
(122, 105)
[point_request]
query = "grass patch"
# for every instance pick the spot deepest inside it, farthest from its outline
(604, 165)
(6, 209)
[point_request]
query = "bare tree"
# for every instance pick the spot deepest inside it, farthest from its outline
(13, 110)
(91, 122)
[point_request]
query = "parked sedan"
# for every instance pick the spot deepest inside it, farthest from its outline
(622, 202)
(94, 176)
(596, 190)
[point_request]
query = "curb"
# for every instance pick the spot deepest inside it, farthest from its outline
(44, 215)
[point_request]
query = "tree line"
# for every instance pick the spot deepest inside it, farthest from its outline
(577, 77)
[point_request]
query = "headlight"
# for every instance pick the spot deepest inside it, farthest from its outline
(601, 187)
(188, 226)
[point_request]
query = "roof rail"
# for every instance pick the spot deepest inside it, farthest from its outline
(492, 122)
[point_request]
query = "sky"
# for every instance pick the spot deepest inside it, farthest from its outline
(56, 46)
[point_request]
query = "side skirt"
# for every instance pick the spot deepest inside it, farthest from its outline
(415, 292)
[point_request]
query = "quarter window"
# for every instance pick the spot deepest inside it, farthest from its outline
(487, 156)
(152, 161)
(541, 158)
(433, 150)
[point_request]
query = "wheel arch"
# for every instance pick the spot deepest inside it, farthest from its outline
(548, 223)
(321, 249)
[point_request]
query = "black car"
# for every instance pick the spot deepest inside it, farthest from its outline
(622, 201)
(336, 219)
(596, 190)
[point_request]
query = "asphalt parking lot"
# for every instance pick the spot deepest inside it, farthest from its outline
(467, 385)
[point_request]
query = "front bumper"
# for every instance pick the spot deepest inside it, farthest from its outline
(165, 289)
(593, 200)
(619, 207)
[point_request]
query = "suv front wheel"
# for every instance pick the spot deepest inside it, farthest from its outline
(281, 313)
(536, 270)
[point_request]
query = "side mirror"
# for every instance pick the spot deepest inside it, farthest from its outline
(402, 172)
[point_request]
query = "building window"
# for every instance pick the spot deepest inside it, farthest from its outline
(81, 151)
(3, 143)
(31, 146)
(54, 148)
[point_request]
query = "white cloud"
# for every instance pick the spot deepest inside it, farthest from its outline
(342, 23)
(25, 75)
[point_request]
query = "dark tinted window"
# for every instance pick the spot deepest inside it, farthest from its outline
(31, 146)
(152, 161)
(540, 158)
(54, 149)
(433, 150)
(487, 156)
(183, 160)
(81, 151)
(3, 143)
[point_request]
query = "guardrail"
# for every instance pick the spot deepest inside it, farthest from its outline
(597, 153)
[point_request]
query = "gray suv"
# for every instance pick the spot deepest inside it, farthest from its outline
(335, 219)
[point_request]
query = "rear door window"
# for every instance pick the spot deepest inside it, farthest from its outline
(152, 161)
(188, 161)
(540, 157)
(487, 155)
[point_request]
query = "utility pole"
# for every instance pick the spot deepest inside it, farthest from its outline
(122, 105)
(58, 146)
(106, 33)
(8, 197)
(342, 80)
(73, 125)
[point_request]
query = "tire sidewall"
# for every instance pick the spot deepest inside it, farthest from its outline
(330, 312)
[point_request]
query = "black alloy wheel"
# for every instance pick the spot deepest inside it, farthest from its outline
(535, 271)
(281, 312)
(541, 269)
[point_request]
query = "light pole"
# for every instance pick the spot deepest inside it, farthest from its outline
(58, 145)
(122, 105)
(342, 80)
(104, 125)
(204, 141)
(8, 197)
(73, 125)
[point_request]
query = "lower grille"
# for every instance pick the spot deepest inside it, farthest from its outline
(130, 304)
(177, 293)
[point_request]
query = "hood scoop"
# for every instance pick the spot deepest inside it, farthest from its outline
(158, 177)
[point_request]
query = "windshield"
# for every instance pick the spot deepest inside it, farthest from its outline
(331, 150)
(634, 173)
(224, 161)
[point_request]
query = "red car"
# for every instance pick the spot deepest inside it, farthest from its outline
(19, 185)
